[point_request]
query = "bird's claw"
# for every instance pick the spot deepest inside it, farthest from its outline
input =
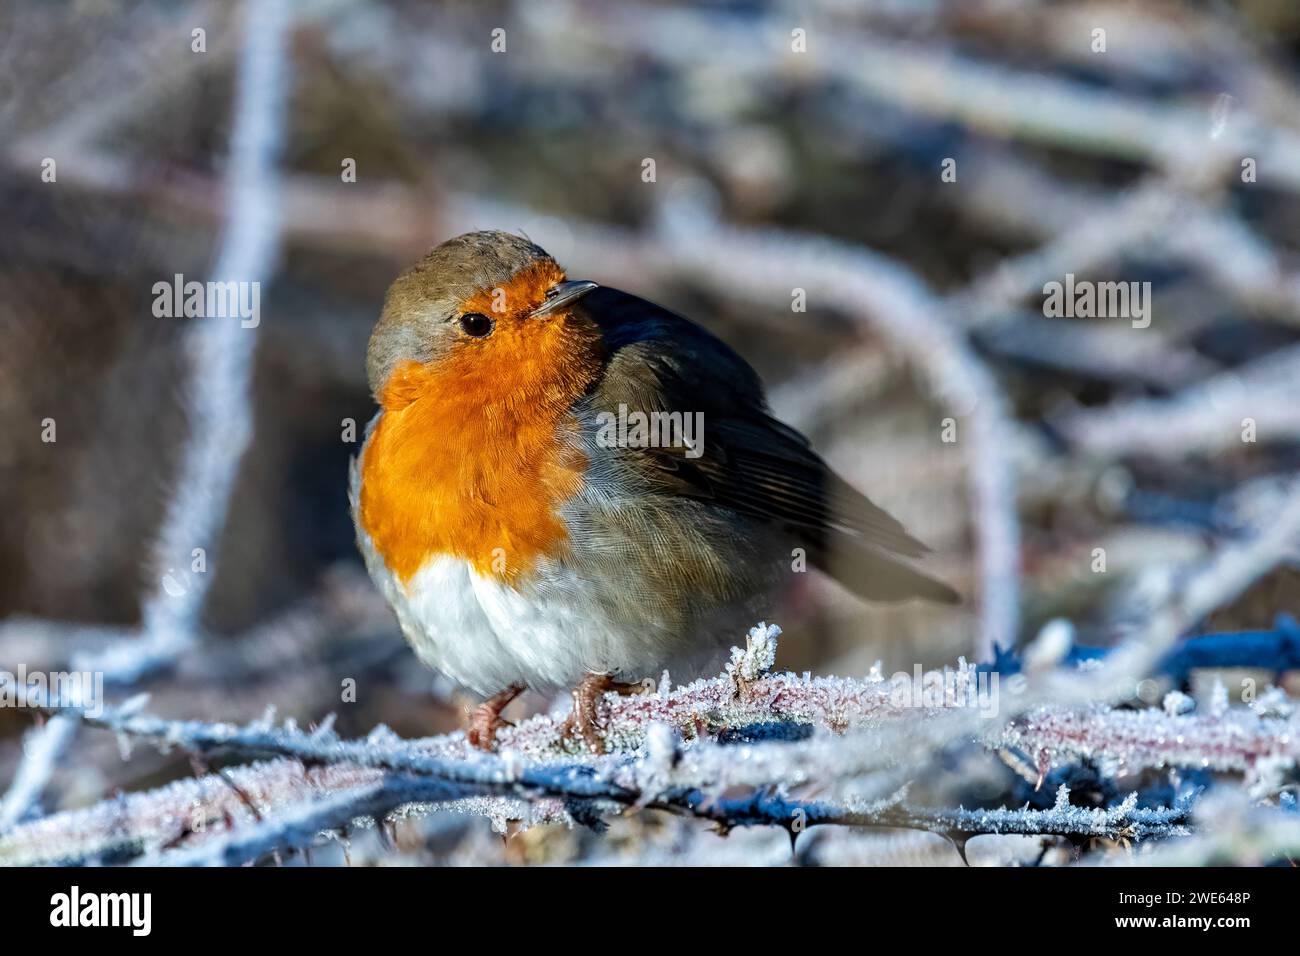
(485, 719)
(584, 720)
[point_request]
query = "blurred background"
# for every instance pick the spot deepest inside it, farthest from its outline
(928, 166)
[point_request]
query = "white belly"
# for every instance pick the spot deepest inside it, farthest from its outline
(484, 634)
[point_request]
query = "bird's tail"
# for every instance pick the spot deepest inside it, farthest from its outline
(877, 576)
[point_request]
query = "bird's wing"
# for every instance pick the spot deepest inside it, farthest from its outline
(750, 462)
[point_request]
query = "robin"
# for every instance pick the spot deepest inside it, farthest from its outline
(569, 485)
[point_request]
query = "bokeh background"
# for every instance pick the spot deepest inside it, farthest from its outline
(820, 130)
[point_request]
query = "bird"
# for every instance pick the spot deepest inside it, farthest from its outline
(531, 531)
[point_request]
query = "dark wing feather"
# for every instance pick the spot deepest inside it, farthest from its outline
(752, 463)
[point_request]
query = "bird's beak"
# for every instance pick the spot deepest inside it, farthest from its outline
(562, 295)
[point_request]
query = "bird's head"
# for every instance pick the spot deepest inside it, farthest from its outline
(486, 311)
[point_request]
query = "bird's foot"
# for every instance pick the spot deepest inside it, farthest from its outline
(485, 720)
(584, 721)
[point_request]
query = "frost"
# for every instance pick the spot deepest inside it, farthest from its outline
(1273, 703)
(685, 750)
(758, 656)
(1128, 741)
(652, 774)
(267, 721)
(1268, 775)
(381, 735)
(512, 764)
(325, 729)
(1218, 699)
(660, 747)
(1062, 797)
(124, 744)
(748, 748)
(133, 705)
(1051, 645)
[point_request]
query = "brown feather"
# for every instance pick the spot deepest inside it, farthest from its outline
(752, 463)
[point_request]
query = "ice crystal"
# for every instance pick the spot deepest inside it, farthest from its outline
(1176, 703)
(1127, 741)
(1219, 703)
(1273, 703)
(758, 655)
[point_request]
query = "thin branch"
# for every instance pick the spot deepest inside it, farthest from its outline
(1213, 416)
(220, 355)
(41, 751)
(1122, 742)
(945, 86)
(220, 351)
(1175, 600)
(1123, 821)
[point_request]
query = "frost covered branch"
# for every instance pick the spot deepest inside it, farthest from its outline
(678, 750)
(1208, 417)
(217, 400)
(1261, 741)
(42, 748)
(1177, 598)
(220, 352)
(1125, 820)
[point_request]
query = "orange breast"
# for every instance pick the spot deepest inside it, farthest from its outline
(467, 458)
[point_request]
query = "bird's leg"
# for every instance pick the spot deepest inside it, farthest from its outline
(485, 719)
(584, 721)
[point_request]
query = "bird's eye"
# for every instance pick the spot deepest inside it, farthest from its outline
(476, 324)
